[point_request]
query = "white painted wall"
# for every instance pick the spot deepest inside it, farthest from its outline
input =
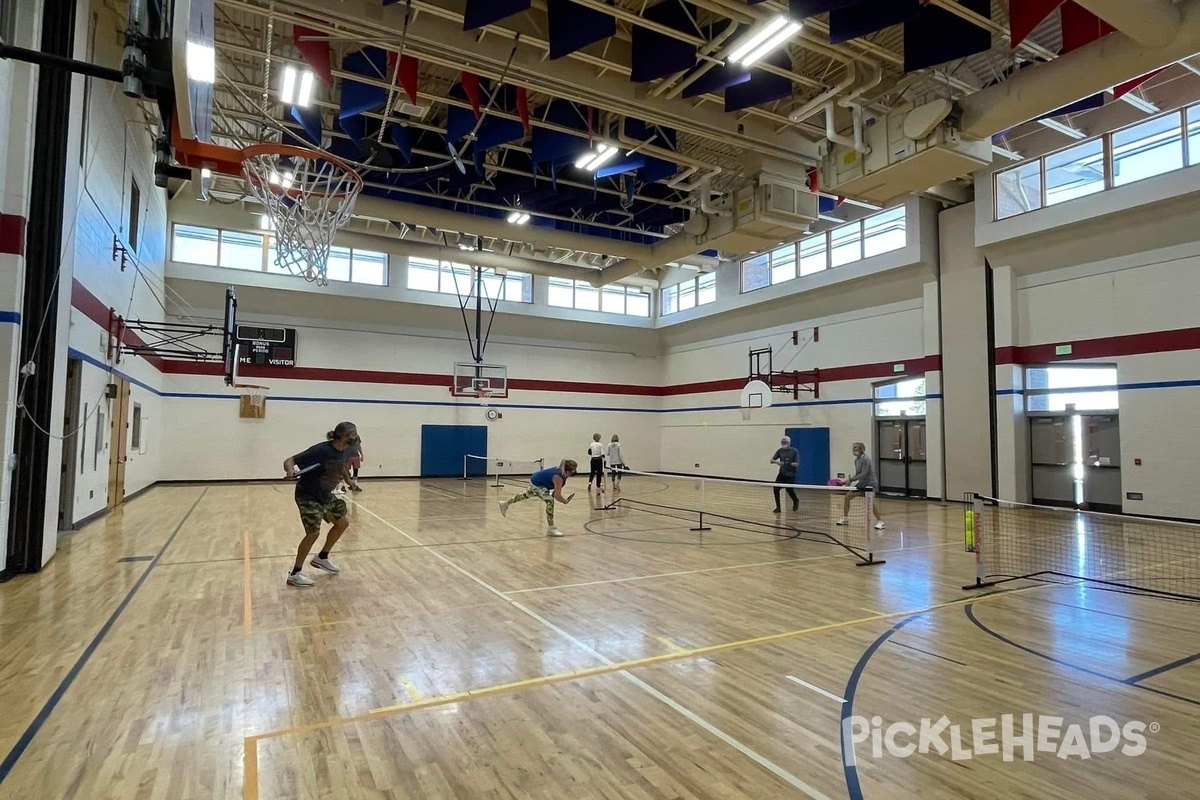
(706, 428)
(118, 151)
(1151, 292)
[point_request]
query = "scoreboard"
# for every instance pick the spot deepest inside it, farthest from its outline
(265, 346)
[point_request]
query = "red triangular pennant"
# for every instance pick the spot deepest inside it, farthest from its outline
(523, 107)
(1025, 15)
(315, 51)
(1129, 86)
(408, 77)
(1080, 27)
(470, 84)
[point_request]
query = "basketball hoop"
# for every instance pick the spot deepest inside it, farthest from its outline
(308, 196)
(746, 414)
(254, 400)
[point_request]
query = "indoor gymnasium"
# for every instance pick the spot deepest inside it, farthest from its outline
(599, 399)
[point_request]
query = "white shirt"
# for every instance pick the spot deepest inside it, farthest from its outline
(614, 453)
(595, 450)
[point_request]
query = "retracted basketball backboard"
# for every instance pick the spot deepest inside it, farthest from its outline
(480, 380)
(193, 28)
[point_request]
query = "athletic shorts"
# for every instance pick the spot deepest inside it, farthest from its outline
(312, 513)
(355, 462)
(865, 489)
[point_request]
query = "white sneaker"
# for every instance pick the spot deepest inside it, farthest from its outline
(299, 580)
(504, 508)
(843, 521)
(553, 532)
(879, 525)
(325, 564)
(338, 493)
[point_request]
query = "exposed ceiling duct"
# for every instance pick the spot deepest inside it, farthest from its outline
(1152, 23)
(1095, 67)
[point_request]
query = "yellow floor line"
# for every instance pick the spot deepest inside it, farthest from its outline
(412, 689)
(250, 770)
(667, 643)
(649, 661)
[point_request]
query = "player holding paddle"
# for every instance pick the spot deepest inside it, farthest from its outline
(547, 484)
(317, 472)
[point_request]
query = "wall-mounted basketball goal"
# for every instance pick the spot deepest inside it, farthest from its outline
(771, 373)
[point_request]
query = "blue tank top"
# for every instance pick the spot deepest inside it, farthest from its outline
(545, 478)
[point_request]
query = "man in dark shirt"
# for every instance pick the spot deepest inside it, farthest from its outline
(788, 459)
(317, 472)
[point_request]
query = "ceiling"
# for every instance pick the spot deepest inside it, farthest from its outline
(686, 127)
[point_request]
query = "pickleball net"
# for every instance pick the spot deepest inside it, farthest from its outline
(1119, 553)
(494, 469)
(748, 506)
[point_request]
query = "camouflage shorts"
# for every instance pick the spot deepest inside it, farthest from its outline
(312, 513)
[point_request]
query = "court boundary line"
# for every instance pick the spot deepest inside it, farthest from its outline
(969, 611)
(251, 742)
(758, 758)
(247, 589)
(31, 732)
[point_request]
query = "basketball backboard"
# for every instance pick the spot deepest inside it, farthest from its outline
(480, 380)
(192, 61)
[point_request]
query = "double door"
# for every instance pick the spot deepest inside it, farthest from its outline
(901, 446)
(1076, 460)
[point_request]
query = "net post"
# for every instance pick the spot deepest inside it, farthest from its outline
(497, 484)
(974, 533)
(465, 460)
(702, 527)
(869, 508)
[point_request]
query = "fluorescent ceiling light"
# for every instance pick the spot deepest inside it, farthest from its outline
(285, 181)
(264, 222)
(297, 87)
(762, 41)
(306, 89)
(594, 159)
(1063, 128)
(201, 63)
(518, 217)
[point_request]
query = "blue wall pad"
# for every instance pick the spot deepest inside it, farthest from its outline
(444, 446)
(813, 444)
(573, 27)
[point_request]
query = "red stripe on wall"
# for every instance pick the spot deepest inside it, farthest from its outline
(12, 234)
(1136, 344)
(94, 309)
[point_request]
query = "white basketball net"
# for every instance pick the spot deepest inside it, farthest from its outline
(258, 399)
(308, 197)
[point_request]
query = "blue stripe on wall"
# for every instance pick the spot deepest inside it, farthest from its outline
(11, 317)
(1123, 387)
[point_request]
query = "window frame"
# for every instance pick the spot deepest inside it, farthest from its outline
(1109, 164)
(1088, 389)
(611, 289)
(266, 241)
(826, 249)
(696, 285)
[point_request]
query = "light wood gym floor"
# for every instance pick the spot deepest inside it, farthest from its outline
(464, 655)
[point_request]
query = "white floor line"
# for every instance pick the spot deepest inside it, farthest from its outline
(816, 689)
(696, 719)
